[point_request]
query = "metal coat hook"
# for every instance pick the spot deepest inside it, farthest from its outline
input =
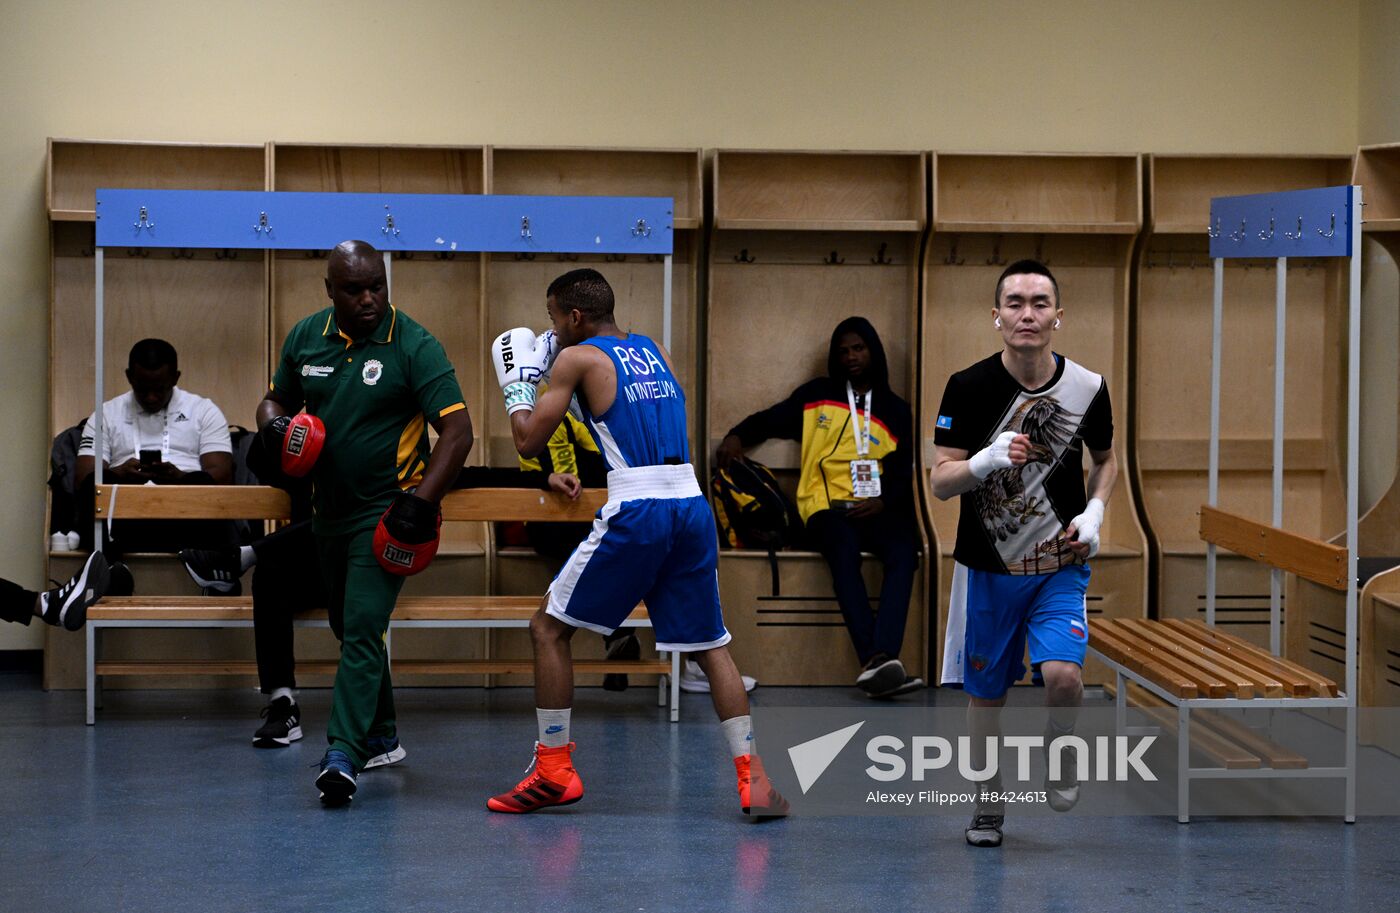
(389, 228)
(995, 259)
(1331, 229)
(1213, 234)
(743, 256)
(953, 259)
(1270, 235)
(405, 255)
(445, 255)
(614, 258)
(569, 258)
(1238, 236)
(315, 255)
(141, 252)
(524, 255)
(833, 260)
(641, 229)
(525, 228)
(143, 220)
(1040, 250)
(262, 225)
(1295, 236)
(1171, 259)
(226, 254)
(182, 253)
(880, 259)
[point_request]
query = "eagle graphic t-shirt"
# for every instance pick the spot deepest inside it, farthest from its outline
(1012, 522)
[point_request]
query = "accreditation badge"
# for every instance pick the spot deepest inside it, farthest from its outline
(865, 478)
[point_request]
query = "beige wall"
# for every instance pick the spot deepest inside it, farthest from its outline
(1132, 75)
(1378, 101)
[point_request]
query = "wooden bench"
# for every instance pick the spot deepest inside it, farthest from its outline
(221, 502)
(1183, 668)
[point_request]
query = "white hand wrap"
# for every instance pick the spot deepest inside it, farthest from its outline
(1086, 525)
(996, 455)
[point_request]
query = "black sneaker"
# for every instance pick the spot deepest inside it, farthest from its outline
(337, 779)
(121, 583)
(625, 647)
(283, 726)
(67, 605)
(881, 675)
(987, 818)
(217, 571)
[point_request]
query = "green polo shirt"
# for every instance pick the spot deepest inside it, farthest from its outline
(376, 397)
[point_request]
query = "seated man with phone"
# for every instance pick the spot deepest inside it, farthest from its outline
(855, 491)
(156, 433)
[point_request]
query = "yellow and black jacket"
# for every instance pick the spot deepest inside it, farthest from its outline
(818, 415)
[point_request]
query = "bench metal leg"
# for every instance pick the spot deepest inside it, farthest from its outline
(661, 681)
(1120, 703)
(675, 686)
(90, 663)
(1183, 763)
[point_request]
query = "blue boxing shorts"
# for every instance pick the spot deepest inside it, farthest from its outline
(991, 617)
(653, 542)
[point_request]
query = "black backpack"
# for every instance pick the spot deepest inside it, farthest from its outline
(751, 511)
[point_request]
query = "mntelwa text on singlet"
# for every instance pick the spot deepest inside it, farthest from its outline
(645, 425)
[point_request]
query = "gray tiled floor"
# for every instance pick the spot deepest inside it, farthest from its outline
(164, 805)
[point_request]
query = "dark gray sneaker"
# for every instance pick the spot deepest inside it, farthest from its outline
(215, 570)
(881, 675)
(67, 605)
(283, 726)
(1062, 794)
(987, 819)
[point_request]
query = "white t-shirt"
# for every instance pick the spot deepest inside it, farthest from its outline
(188, 427)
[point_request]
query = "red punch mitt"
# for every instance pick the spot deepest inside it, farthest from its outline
(406, 539)
(302, 443)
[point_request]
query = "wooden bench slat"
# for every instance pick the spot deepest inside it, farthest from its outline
(1239, 685)
(401, 667)
(1318, 685)
(1270, 752)
(1293, 685)
(1208, 742)
(1318, 561)
(1107, 642)
(1205, 683)
(263, 502)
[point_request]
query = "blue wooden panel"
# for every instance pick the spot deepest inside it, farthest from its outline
(260, 220)
(1297, 223)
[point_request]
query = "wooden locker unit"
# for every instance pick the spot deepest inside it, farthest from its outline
(1079, 214)
(1377, 170)
(1172, 339)
(442, 292)
(516, 297)
(211, 305)
(799, 241)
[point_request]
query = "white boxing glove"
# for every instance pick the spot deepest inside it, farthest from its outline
(1086, 525)
(520, 366)
(996, 455)
(550, 346)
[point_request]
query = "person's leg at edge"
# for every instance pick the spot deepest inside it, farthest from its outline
(17, 604)
(984, 724)
(552, 779)
(839, 543)
(894, 543)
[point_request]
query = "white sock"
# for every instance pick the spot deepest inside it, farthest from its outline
(738, 732)
(282, 692)
(554, 726)
(246, 558)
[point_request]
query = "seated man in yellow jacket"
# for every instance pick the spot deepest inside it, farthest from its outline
(855, 491)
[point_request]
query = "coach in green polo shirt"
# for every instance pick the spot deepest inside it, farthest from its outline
(375, 379)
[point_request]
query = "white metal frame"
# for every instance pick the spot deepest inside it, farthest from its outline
(1347, 698)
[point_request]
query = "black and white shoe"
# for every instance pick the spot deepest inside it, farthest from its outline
(283, 726)
(626, 647)
(987, 818)
(910, 684)
(383, 752)
(217, 571)
(67, 605)
(337, 779)
(881, 675)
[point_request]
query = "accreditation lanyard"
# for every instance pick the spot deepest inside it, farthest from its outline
(862, 434)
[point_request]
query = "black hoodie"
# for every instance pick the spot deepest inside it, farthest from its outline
(818, 414)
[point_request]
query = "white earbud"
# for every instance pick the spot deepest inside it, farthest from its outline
(1057, 323)
(997, 323)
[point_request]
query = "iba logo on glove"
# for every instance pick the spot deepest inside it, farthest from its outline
(507, 353)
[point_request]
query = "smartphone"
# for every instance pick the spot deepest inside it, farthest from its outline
(150, 457)
(841, 504)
